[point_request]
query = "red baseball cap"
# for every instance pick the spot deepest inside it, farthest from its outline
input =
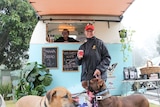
(89, 26)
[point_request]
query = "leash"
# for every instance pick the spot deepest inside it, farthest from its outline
(81, 99)
(77, 94)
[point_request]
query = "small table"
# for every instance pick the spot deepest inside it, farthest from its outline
(130, 82)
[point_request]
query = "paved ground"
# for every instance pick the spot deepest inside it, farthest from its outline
(153, 96)
(150, 89)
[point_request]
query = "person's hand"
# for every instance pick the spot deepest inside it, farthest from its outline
(80, 54)
(97, 73)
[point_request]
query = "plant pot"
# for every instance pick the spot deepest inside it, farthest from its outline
(123, 33)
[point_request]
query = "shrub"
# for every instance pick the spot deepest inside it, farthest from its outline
(33, 79)
(5, 90)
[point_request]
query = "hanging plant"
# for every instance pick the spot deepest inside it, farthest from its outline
(123, 33)
(125, 40)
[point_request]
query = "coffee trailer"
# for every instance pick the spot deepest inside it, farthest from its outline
(55, 15)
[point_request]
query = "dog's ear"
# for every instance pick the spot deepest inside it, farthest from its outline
(100, 82)
(94, 80)
(84, 84)
(50, 95)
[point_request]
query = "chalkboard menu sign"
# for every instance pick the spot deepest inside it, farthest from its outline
(49, 57)
(69, 62)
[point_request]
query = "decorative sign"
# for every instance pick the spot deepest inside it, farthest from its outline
(110, 83)
(110, 70)
(49, 57)
(69, 60)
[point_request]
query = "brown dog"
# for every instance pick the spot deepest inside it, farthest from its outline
(57, 97)
(98, 85)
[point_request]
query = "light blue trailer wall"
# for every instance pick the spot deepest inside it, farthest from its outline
(71, 80)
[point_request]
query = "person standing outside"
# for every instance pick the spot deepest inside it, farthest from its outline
(65, 37)
(93, 56)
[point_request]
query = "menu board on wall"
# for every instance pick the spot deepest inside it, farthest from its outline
(69, 60)
(49, 57)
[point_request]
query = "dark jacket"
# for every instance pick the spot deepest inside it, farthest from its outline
(61, 39)
(96, 56)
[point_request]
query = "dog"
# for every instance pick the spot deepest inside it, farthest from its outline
(57, 97)
(2, 102)
(104, 99)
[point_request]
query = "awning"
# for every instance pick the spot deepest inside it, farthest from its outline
(102, 10)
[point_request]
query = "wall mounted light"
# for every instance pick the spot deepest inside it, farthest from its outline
(66, 26)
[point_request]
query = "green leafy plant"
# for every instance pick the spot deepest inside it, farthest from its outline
(5, 90)
(123, 34)
(34, 78)
(57, 36)
(126, 40)
(17, 22)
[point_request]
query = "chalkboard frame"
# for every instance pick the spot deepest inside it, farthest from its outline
(56, 57)
(77, 68)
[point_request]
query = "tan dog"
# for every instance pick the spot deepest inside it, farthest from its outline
(98, 85)
(57, 97)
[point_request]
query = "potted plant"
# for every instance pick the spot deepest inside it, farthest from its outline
(33, 79)
(126, 40)
(123, 33)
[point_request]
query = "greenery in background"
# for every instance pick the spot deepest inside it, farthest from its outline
(126, 42)
(5, 90)
(57, 36)
(17, 20)
(34, 78)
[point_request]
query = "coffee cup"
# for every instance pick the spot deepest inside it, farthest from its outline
(80, 53)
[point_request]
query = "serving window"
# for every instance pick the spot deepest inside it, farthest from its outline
(54, 31)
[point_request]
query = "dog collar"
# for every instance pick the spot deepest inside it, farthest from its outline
(100, 97)
(45, 105)
(102, 92)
